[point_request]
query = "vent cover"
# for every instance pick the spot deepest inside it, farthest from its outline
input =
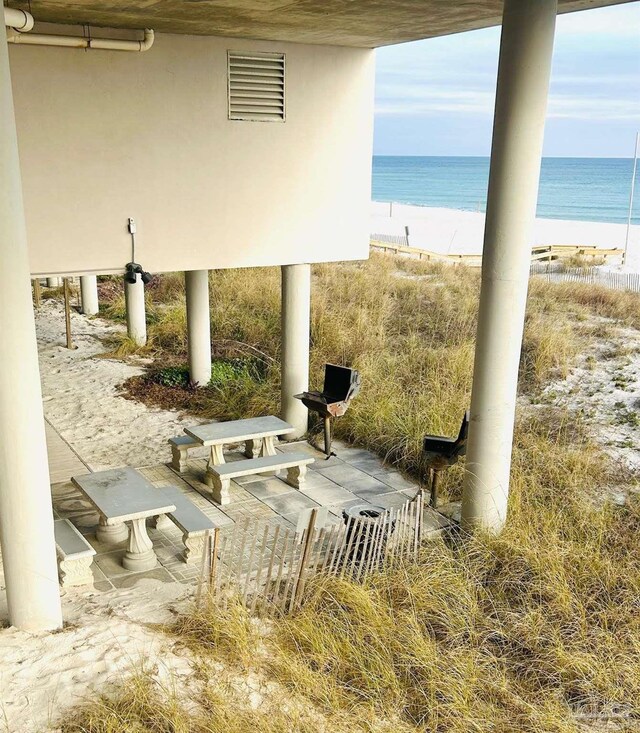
(256, 86)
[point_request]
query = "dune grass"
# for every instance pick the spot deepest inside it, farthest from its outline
(535, 631)
(407, 326)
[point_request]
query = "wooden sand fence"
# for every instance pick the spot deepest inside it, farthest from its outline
(268, 566)
(552, 272)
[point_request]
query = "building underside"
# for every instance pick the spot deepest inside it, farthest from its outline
(359, 23)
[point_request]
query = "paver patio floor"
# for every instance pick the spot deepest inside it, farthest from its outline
(354, 476)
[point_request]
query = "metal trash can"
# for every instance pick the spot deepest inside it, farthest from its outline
(360, 539)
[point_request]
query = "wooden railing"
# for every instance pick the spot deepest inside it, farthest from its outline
(546, 252)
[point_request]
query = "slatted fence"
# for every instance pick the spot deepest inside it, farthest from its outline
(553, 272)
(268, 566)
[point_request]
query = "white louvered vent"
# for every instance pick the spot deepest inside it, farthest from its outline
(256, 86)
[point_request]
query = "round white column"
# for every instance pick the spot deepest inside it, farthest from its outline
(296, 314)
(26, 517)
(89, 294)
(136, 314)
(521, 102)
(196, 283)
(54, 282)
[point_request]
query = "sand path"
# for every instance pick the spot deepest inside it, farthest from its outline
(105, 634)
(83, 400)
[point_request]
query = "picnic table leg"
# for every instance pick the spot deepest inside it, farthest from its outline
(269, 449)
(216, 458)
(161, 521)
(139, 554)
(253, 448)
(111, 534)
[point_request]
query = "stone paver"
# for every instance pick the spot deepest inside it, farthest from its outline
(353, 477)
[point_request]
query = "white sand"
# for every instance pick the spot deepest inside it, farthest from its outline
(605, 390)
(450, 231)
(106, 635)
(82, 397)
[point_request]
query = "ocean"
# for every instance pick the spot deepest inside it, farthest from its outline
(584, 189)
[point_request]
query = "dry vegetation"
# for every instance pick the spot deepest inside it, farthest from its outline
(409, 327)
(537, 630)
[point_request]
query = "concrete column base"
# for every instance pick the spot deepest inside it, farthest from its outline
(136, 313)
(89, 294)
(196, 284)
(296, 314)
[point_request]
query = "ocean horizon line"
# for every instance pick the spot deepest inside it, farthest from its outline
(575, 189)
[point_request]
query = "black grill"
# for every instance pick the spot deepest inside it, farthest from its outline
(341, 385)
(441, 452)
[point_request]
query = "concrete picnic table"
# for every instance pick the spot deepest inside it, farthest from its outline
(123, 495)
(257, 433)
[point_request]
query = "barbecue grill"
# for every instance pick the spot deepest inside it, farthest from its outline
(441, 452)
(341, 385)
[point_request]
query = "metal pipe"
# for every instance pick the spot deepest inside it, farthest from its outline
(327, 435)
(633, 186)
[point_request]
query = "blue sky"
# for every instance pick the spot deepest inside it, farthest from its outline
(436, 97)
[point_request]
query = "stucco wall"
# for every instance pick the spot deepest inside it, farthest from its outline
(107, 135)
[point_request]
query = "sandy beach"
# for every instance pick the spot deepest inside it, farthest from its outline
(451, 231)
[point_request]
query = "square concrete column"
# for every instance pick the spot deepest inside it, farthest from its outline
(521, 102)
(89, 294)
(296, 315)
(136, 313)
(26, 517)
(196, 283)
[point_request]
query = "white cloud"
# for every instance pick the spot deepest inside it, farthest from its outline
(422, 99)
(617, 20)
(592, 108)
(450, 83)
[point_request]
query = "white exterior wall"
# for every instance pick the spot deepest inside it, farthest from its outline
(106, 135)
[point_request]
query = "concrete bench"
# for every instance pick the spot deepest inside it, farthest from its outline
(219, 477)
(193, 522)
(180, 446)
(75, 554)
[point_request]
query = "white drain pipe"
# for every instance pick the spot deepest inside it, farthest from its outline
(19, 22)
(106, 44)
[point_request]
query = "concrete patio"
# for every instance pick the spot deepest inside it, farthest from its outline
(355, 476)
